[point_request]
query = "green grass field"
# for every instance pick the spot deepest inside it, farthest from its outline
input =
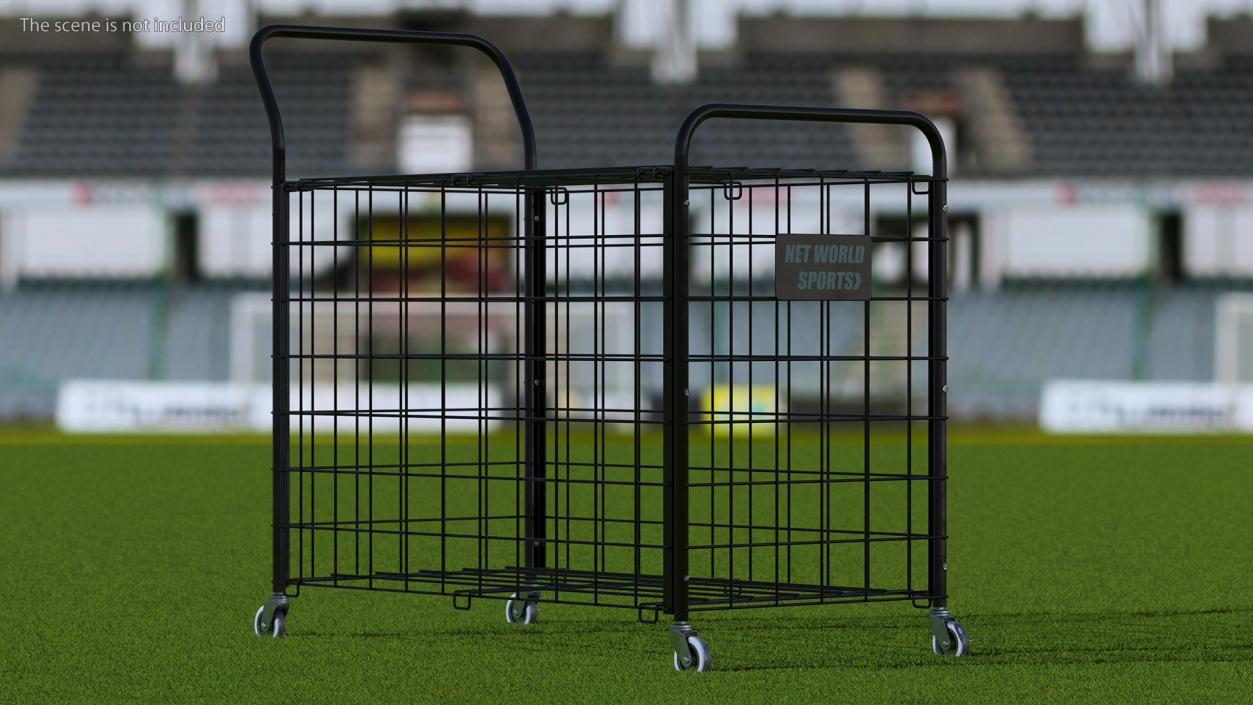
(1090, 570)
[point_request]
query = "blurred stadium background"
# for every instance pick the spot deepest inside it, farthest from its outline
(1100, 211)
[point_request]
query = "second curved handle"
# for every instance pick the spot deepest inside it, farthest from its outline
(277, 138)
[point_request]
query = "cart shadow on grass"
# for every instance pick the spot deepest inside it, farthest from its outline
(808, 641)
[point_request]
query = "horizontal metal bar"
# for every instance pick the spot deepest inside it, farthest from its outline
(643, 589)
(496, 241)
(486, 357)
(334, 523)
(464, 299)
(504, 538)
(647, 177)
(785, 358)
(858, 537)
(409, 414)
(450, 476)
(512, 464)
(721, 298)
(764, 418)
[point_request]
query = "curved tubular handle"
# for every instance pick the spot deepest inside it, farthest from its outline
(845, 115)
(278, 141)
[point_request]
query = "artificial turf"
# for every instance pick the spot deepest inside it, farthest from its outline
(1094, 570)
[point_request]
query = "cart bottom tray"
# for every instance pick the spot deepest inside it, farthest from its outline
(608, 589)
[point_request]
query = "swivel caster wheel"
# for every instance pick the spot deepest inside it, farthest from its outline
(698, 658)
(948, 636)
(691, 653)
(271, 617)
(522, 611)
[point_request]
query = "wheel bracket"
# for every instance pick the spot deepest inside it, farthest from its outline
(940, 617)
(276, 603)
(679, 632)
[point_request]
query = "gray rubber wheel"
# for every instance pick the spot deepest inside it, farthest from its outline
(959, 642)
(277, 627)
(521, 611)
(700, 656)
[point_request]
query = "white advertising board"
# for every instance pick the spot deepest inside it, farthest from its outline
(1093, 406)
(104, 406)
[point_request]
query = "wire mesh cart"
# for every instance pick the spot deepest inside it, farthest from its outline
(666, 388)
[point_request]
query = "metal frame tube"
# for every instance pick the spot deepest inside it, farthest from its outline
(281, 389)
(535, 382)
(677, 357)
(675, 410)
(937, 393)
(280, 448)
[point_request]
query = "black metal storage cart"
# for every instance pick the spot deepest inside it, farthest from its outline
(667, 388)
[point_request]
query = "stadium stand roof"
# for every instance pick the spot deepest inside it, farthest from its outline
(594, 104)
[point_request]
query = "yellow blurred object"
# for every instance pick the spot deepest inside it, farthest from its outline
(419, 237)
(740, 410)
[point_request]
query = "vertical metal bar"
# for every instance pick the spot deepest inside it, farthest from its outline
(569, 402)
(715, 420)
(443, 388)
(866, 424)
(937, 381)
(518, 247)
(311, 351)
(909, 386)
(480, 368)
(598, 507)
(667, 405)
(790, 353)
(535, 372)
(281, 433)
(730, 383)
(675, 288)
(356, 377)
(751, 305)
(778, 417)
(638, 384)
(369, 394)
(335, 386)
(824, 409)
(300, 386)
(559, 410)
(402, 312)
(601, 251)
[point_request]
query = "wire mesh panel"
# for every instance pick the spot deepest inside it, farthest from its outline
(414, 385)
(411, 393)
(807, 464)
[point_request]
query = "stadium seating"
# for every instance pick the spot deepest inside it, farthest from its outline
(1005, 344)
(108, 114)
(589, 112)
(103, 114)
(54, 331)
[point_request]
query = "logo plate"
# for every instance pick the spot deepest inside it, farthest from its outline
(822, 267)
